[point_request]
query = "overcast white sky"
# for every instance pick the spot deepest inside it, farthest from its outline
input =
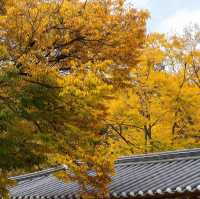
(170, 15)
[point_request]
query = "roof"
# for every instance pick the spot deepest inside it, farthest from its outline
(151, 175)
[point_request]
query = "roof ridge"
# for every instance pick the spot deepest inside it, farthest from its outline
(177, 154)
(39, 173)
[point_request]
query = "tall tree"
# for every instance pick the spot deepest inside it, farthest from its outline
(60, 62)
(160, 111)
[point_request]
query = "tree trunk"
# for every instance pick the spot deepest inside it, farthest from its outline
(148, 137)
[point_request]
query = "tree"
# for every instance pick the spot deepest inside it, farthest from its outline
(160, 110)
(185, 103)
(141, 105)
(60, 63)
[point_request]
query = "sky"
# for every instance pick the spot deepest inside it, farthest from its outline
(170, 16)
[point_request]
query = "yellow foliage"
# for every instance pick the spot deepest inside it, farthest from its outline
(82, 83)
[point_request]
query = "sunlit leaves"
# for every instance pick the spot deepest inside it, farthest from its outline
(61, 64)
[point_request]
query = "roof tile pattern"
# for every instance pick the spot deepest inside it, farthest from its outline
(137, 176)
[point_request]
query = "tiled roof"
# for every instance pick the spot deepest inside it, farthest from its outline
(151, 175)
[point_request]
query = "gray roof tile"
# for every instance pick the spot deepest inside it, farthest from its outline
(141, 175)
